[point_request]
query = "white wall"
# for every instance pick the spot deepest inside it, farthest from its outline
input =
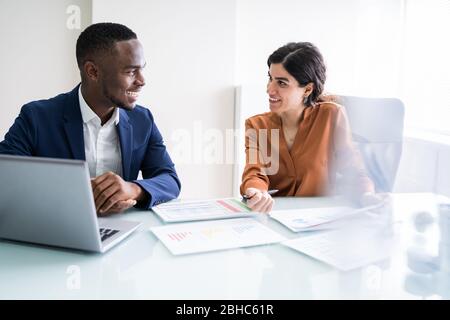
(356, 37)
(190, 51)
(37, 52)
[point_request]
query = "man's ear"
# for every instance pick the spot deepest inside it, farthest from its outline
(91, 70)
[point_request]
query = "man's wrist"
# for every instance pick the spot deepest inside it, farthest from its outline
(138, 191)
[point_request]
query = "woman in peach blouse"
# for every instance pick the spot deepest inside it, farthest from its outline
(303, 145)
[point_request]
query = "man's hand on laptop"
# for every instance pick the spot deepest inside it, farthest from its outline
(112, 194)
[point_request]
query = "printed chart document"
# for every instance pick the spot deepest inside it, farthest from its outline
(180, 211)
(315, 218)
(205, 236)
(345, 250)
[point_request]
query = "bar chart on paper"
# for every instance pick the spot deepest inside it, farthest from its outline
(215, 235)
(179, 236)
(181, 211)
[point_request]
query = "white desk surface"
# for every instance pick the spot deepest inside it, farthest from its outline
(142, 268)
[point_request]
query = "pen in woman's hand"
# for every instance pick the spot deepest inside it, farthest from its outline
(245, 197)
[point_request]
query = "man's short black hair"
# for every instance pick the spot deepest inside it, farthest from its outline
(100, 37)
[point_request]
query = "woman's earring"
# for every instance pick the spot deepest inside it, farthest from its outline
(305, 100)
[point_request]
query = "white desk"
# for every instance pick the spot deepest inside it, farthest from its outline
(142, 268)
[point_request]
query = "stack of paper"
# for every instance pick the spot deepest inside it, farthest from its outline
(215, 235)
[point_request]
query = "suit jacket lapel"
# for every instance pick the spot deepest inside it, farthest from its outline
(125, 131)
(73, 125)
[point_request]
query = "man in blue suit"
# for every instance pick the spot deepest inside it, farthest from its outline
(99, 122)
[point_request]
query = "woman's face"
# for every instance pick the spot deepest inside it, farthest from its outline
(284, 91)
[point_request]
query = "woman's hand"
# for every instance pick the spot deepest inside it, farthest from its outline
(259, 200)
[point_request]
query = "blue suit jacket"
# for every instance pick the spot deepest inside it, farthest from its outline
(54, 128)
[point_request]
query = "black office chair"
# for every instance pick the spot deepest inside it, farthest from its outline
(377, 131)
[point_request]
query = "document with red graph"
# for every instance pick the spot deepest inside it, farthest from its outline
(182, 210)
(205, 236)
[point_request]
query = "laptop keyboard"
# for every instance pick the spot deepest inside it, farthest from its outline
(106, 233)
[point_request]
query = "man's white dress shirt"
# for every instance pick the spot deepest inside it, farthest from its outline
(101, 143)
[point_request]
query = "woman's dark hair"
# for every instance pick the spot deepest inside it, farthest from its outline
(305, 63)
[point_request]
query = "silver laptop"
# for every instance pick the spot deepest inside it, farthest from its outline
(50, 201)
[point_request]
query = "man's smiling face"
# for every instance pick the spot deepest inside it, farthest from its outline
(121, 74)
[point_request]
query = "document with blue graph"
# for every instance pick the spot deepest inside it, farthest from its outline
(205, 236)
(315, 218)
